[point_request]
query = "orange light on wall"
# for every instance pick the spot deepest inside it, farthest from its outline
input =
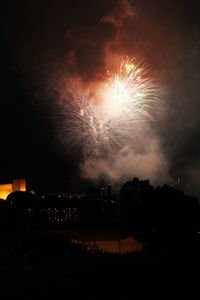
(19, 185)
(16, 185)
(5, 190)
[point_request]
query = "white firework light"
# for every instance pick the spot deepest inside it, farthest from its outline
(122, 103)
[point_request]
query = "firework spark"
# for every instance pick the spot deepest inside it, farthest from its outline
(123, 102)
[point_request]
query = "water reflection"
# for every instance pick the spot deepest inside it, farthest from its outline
(105, 240)
(121, 246)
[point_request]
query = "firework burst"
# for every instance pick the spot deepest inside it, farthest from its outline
(121, 104)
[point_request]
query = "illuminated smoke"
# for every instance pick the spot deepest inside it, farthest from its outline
(113, 121)
(109, 102)
(80, 43)
(92, 48)
(109, 119)
(149, 163)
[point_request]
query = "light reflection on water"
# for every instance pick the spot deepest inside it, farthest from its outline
(105, 240)
(122, 246)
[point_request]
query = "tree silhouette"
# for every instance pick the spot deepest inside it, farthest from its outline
(164, 209)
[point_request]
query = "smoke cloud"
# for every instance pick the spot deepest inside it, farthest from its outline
(91, 48)
(79, 39)
(91, 51)
(149, 164)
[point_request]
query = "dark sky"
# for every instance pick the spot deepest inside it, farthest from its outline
(34, 43)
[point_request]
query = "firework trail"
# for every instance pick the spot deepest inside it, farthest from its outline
(106, 120)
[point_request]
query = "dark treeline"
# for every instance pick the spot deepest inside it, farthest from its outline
(44, 264)
(162, 209)
(143, 210)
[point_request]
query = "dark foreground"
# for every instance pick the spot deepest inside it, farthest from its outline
(55, 268)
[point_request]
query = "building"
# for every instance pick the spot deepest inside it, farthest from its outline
(16, 185)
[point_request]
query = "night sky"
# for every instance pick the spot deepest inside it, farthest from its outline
(37, 37)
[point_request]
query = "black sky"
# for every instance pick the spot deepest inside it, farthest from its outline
(167, 35)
